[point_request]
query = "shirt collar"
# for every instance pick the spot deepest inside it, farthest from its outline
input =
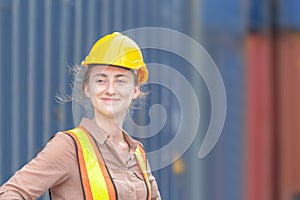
(101, 136)
(98, 133)
(131, 142)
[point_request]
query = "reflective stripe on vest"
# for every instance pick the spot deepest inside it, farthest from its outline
(95, 178)
(141, 158)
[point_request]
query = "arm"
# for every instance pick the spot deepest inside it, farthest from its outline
(48, 169)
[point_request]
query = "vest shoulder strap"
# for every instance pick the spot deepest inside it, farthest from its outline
(95, 178)
(142, 161)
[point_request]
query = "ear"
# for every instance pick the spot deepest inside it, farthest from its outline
(86, 91)
(136, 92)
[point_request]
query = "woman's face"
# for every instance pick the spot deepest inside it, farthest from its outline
(111, 90)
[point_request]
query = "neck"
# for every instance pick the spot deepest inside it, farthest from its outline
(112, 126)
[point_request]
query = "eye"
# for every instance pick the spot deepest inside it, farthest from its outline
(100, 81)
(121, 81)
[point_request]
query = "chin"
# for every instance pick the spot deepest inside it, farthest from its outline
(112, 113)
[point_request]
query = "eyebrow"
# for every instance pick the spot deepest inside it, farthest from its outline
(105, 75)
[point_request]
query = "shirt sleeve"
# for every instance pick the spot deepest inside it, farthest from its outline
(47, 169)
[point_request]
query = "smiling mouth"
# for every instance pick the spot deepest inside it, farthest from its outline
(110, 100)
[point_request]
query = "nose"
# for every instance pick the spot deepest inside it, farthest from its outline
(110, 88)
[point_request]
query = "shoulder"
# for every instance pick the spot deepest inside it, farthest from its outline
(59, 149)
(140, 144)
(61, 141)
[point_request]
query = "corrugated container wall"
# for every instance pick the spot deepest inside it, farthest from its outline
(272, 108)
(259, 118)
(41, 39)
(289, 109)
(223, 33)
(288, 99)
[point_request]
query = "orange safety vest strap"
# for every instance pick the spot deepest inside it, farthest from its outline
(96, 181)
(109, 183)
(83, 172)
(142, 161)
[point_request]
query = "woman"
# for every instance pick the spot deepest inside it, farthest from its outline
(97, 159)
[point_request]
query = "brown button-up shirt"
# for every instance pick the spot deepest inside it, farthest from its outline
(56, 167)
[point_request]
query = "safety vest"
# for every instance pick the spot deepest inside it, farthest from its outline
(95, 178)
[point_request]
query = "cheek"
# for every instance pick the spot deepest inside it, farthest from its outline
(95, 90)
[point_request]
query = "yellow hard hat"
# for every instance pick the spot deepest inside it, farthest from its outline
(118, 50)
